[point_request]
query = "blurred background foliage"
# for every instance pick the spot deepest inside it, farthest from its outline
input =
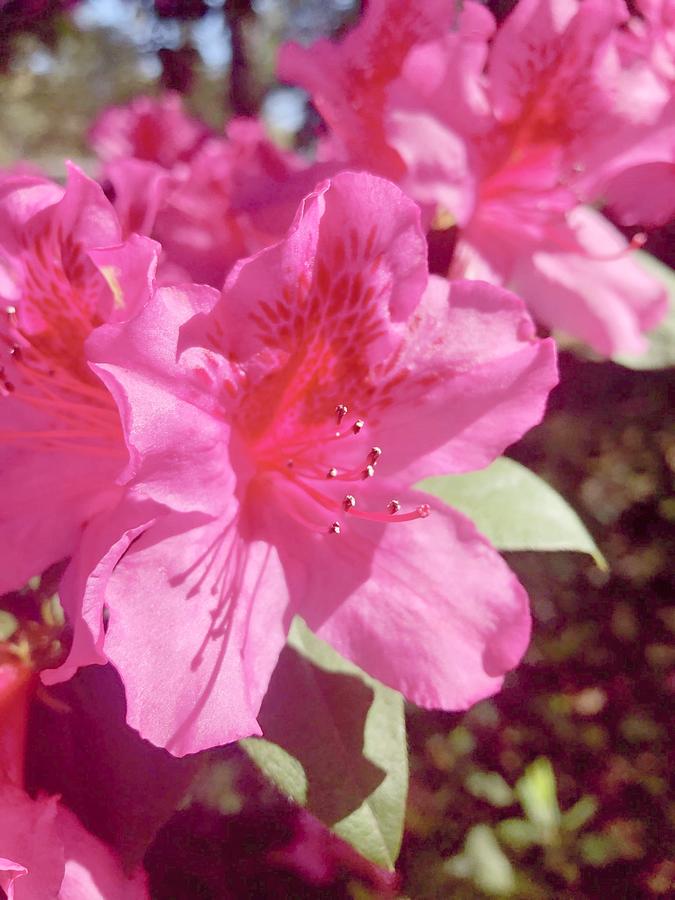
(558, 787)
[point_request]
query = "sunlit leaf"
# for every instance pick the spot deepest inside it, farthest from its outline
(518, 833)
(579, 814)
(490, 786)
(537, 794)
(660, 353)
(484, 862)
(515, 509)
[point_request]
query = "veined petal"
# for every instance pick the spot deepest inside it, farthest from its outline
(471, 377)
(196, 659)
(158, 396)
(415, 608)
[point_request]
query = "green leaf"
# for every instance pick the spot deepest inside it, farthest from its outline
(489, 786)
(484, 862)
(660, 353)
(335, 743)
(8, 625)
(537, 794)
(515, 509)
(518, 833)
(579, 814)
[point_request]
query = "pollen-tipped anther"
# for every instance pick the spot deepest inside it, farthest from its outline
(334, 528)
(368, 472)
(15, 352)
(393, 507)
(358, 425)
(348, 503)
(340, 412)
(374, 455)
(10, 310)
(332, 473)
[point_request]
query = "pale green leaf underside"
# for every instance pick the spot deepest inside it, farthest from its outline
(515, 509)
(661, 351)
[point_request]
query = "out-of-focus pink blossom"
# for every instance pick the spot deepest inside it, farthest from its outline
(46, 853)
(154, 129)
(63, 272)
(259, 417)
(225, 198)
(507, 141)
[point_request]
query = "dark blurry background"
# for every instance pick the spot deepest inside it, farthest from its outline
(559, 786)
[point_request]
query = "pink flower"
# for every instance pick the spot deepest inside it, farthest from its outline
(46, 853)
(259, 418)
(387, 83)
(154, 129)
(236, 194)
(63, 272)
(507, 143)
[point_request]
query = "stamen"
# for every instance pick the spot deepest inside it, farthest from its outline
(332, 473)
(393, 507)
(374, 455)
(340, 412)
(368, 472)
(334, 528)
(348, 503)
(358, 425)
(10, 310)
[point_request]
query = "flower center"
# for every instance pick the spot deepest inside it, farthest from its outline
(79, 414)
(310, 469)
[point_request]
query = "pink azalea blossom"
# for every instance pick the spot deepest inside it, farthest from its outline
(46, 853)
(639, 185)
(154, 129)
(209, 200)
(259, 417)
(537, 125)
(44, 850)
(61, 443)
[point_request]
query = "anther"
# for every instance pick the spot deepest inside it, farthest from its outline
(334, 528)
(348, 503)
(374, 455)
(10, 310)
(638, 240)
(368, 472)
(15, 352)
(358, 425)
(332, 473)
(340, 412)
(423, 510)
(393, 507)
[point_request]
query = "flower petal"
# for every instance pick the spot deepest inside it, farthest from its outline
(196, 657)
(470, 380)
(437, 614)
(593, 290)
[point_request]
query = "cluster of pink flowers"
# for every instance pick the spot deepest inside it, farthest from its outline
(224, 368)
